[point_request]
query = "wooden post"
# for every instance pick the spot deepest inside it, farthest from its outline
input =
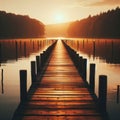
(0, 54)
(102, 92)
(45, 55)
(77, 60)
(23, 85)
(118, 92)
(92, 77)
(2, 74)
(74, 57)
(37, 64)
(42, 59)
(33, 72)
(40, 63)
(2, 82)
(84, 69)
(0, 46)
(80, 64)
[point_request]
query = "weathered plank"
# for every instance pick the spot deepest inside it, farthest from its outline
(61, 94)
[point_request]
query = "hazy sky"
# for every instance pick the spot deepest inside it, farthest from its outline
(54, 11)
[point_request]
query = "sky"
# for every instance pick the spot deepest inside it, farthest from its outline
(57, 11)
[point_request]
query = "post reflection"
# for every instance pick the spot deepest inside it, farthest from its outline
(94, 49)
(2, 84)
(118, 93)
(16, 47)
(11, 50)
(0, 53)
(106, 49)
(25, 54)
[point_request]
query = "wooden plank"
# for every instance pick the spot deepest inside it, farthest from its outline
(61, 94)
(62, 118)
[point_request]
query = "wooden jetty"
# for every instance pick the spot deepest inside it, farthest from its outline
(60, 93)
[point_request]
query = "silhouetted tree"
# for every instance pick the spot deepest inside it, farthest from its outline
(14, 26)
(105, 24)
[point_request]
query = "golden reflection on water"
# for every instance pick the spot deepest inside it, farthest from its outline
(16, 54)
(105, 54)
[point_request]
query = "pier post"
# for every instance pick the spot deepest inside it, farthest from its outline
(80, 65)
(37, 64)
(102, 92)
(0, 46)
(0, 54)
(118, 92)
(44, 52)
(23, 85)
(77, 60)
(84, 69)
(2, 81)
(42, 59)
(33, 72)
(92, 77)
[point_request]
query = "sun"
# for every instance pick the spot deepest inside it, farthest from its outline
(59, 18)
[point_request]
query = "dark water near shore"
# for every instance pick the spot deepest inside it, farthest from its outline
(18, 53)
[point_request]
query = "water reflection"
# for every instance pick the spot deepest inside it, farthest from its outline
(2, 85)
(16, 54)
(94, 49)
(105, 54)
(118, 93)
(107, 49)
(20, 52)
(15, 49)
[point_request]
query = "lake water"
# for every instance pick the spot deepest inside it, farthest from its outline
(105, 53)
(17, 54)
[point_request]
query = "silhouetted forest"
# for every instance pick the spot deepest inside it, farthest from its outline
(18, 26)
(105, 25)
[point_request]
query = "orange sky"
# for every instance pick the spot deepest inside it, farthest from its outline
(54, 11)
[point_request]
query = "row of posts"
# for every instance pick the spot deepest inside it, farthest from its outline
(81, 65)
(37, 68)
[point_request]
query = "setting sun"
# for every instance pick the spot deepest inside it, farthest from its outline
(59, 18)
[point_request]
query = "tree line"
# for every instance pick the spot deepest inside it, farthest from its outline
(19, 26)
(104, 25)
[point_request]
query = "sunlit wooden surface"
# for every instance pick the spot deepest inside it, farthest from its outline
(62, 94)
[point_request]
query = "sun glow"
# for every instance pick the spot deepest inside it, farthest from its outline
(59, 18)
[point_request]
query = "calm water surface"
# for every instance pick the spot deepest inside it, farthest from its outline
(105, 53)
(18, 53)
